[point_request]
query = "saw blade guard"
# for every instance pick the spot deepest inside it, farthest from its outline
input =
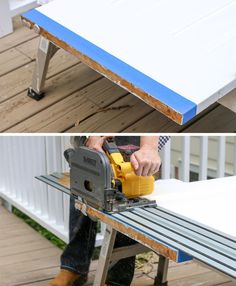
(90, 177)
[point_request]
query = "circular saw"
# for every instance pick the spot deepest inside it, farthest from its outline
(104, 180)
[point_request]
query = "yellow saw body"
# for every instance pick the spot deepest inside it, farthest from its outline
(132, 185)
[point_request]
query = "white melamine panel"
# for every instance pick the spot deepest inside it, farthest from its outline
(189, 46)
(210, 202)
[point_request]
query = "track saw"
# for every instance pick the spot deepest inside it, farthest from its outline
(105, 181)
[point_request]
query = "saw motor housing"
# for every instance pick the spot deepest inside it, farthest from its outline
(106, 182)
(133, 186)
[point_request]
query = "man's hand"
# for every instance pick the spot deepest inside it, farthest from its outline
(146, 161)
(95, 142)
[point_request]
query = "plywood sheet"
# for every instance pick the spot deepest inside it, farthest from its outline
(178, 56)
(210, 202)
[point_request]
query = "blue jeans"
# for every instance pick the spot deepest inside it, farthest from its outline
(78, 253)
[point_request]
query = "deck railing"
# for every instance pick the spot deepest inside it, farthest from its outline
(24, 157)
(214, 153)
(11, 8)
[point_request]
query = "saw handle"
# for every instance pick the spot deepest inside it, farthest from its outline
(68, 153)
(110, 146)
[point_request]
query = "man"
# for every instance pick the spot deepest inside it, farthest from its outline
(76, 258)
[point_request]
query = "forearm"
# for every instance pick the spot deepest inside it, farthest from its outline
(149, 142)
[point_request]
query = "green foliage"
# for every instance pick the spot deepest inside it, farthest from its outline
(47, 234)
(141, 259)
(44, 232)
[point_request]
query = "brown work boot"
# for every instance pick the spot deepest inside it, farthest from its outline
(68, 278)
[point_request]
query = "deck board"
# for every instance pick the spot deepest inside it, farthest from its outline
(78, 99)
(34, 261)
(114, 117)
(11, 60)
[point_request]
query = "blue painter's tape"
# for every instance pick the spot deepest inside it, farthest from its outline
(182, 257)
(158, 91)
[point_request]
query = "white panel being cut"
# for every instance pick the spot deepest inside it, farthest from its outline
(210, 202)
(186, 46)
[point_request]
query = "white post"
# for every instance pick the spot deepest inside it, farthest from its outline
(185, 168)
(203, 157)
(166, 161)
(54, 164)
(6, 205)
(234, 156)
(221, 157)
(5, 18)
(65, 144)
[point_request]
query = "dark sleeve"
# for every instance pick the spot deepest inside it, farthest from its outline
(127, 140)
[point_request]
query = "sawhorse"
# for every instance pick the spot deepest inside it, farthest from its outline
(109, 255)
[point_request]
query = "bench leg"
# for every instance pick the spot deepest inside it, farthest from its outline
(161, 278)
(105, 256)
(46, 51)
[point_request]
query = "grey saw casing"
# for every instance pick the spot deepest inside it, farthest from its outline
(90, 177)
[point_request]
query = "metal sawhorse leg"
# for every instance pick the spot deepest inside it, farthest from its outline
(46, 51)
(109, 256)
(161, 278)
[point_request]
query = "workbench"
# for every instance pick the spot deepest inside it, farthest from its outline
(177, 56)
(182, 227)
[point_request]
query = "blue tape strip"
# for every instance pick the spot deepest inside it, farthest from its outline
(183, 257)
(158, 91)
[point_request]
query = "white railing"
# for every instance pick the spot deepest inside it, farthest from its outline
(203, 158)
(213, 154)
(11, 8)
(24, 157)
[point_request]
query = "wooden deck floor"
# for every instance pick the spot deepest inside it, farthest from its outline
(27, 258)
(78, 99)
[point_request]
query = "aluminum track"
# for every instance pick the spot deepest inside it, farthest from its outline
(209, 246)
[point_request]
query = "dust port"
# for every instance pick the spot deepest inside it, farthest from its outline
(88, 186)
